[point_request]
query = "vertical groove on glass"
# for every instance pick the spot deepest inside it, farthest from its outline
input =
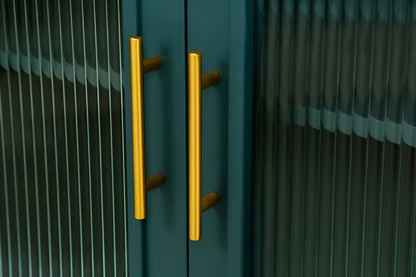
(355, 9)
(91, 259)
(119, 64)
(5, 179)
(62, 139)
(411, 169)
(1, 251)
(99, 142)
(78, 173)
(337, 213)
(35, 169)
(385, 205)
(397, 215)
(23, 137)
(363, 100)
(16, 216)
(335, 138)
(45, 156)
(55, 143)
(68, 184)
(113, 229)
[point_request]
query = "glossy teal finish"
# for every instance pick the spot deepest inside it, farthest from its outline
(222, 31)
(158, 245)
(240, 136)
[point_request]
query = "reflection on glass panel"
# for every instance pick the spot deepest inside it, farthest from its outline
(336, 138)
(62, 185)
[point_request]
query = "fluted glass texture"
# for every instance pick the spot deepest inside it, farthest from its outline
(62, 172)
(335, 149)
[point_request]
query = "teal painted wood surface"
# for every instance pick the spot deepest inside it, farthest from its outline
(158, 245)
(222, 31)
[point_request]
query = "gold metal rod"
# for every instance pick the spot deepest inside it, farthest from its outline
(136, 58)
(152, 63)
(195, 88)
(209, 201)
(138, 67)
(155, 181)
(197, 82)
(210, 79)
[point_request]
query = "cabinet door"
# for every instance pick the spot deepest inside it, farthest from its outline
(62, 191)
(221, 31)
(335, 151)
(158, 244)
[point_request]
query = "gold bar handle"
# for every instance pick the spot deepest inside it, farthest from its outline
(197, 82)
(138, 68)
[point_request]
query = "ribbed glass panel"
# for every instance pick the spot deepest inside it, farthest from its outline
(335, 138)
(62, 170)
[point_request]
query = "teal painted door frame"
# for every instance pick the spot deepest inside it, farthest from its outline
(222, 31)
(158, 244)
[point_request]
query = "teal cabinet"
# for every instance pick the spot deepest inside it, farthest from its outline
(308, 139)
(222, 32)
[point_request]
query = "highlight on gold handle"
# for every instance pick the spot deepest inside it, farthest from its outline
(197, 82)
(138, 68)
